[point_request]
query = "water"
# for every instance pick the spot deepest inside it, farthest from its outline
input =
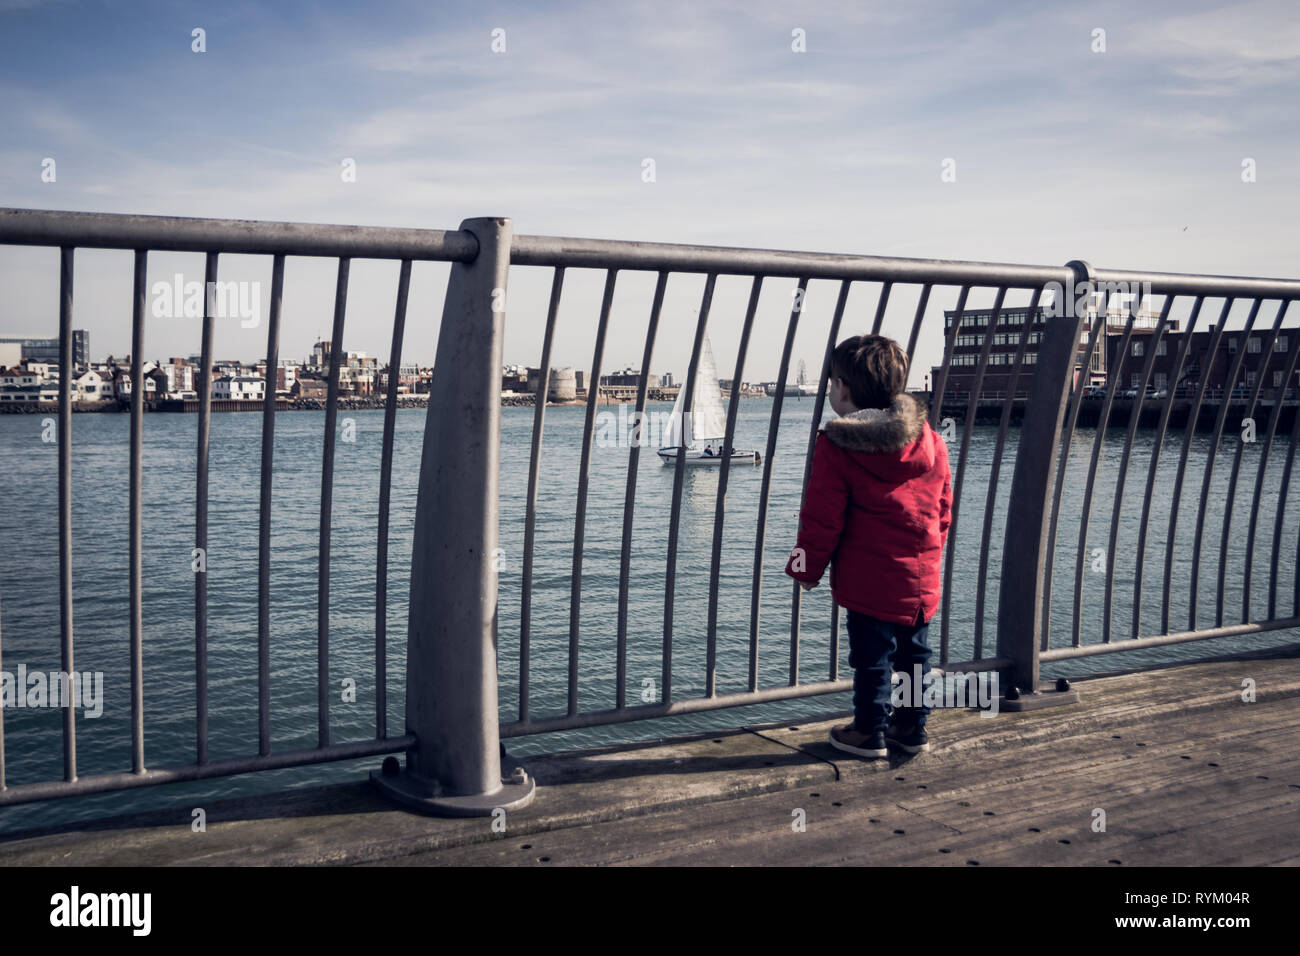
(29, 582)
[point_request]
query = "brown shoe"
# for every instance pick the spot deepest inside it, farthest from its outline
(850, 740)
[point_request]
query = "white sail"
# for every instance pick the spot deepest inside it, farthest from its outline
(707, 416)
(707, 419)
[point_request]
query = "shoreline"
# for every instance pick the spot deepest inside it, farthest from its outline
(283, 405)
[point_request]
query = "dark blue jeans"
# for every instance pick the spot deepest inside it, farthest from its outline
(876, 649)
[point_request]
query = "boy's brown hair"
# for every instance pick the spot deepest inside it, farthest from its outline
(874, 368)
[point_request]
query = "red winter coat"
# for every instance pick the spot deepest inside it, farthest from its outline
(877, 509)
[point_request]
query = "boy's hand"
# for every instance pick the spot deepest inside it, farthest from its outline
(807, 586)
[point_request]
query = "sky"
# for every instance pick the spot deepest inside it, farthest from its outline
(1130, 156)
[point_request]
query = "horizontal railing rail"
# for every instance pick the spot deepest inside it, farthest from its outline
(95, 230)
(1021, 528)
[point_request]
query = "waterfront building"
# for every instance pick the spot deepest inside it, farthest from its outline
(628, 377)
(562, 387)
(239, 387)
(91, 386)
(44, 371)
(155, 382)
(1013, 325)
(357, 373)
(26, 385)
(310, 385)
(180, 375)
(320, 355)
(408, 375)
(1199, 365)
(43, 349)
(514, 379)
(18, 377)
(286, 373)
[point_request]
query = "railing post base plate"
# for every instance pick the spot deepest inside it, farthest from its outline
(425, 795)
(1046, 696)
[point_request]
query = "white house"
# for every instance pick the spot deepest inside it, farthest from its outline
(180, 378)
(240, 388)
(18, 378)
(91, 386)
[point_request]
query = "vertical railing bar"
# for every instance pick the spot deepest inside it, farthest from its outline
(135, 518)
(815, 426)
(761, 530)
(936, 412)
(1278, 519)
(2, 710)
(1295, 587)
(327, 507)
(1211, 453)
(629, 495)
(719, 513)
(881, 303)
(991, 497)
(921, 303)
(972, 408)
(1113, 377)
(264, 512)
(530, 517)
(385, 499)
(1135, 415)
(1193, 414)
(65, 502)
(1183, 348)
(687, 424)
(584, 474)
(1278, 405)
(201, 516)
(941, 386)
(1067, 438)
(835, 642)
(1230, 499)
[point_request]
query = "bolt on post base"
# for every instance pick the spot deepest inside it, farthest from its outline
(1049, 694)
(426, 796)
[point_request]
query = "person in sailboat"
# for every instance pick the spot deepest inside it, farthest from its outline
(877, 510)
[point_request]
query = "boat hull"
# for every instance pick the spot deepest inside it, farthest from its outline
(693, 457)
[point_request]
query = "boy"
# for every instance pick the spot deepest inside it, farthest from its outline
(877, 509)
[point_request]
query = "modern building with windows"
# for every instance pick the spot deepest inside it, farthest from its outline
(1012, 325)
(1015, 324)
(1200, 365)
(40, 349)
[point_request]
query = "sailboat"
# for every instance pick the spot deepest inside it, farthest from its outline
(707, 421)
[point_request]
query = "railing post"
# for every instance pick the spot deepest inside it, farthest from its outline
(1025, 549)
(451, 659)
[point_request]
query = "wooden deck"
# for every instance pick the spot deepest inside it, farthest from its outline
(1187, 773)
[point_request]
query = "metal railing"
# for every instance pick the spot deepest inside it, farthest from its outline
(452, 725)
(68, 232)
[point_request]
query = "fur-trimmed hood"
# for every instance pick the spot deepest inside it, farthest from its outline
(878, 431)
